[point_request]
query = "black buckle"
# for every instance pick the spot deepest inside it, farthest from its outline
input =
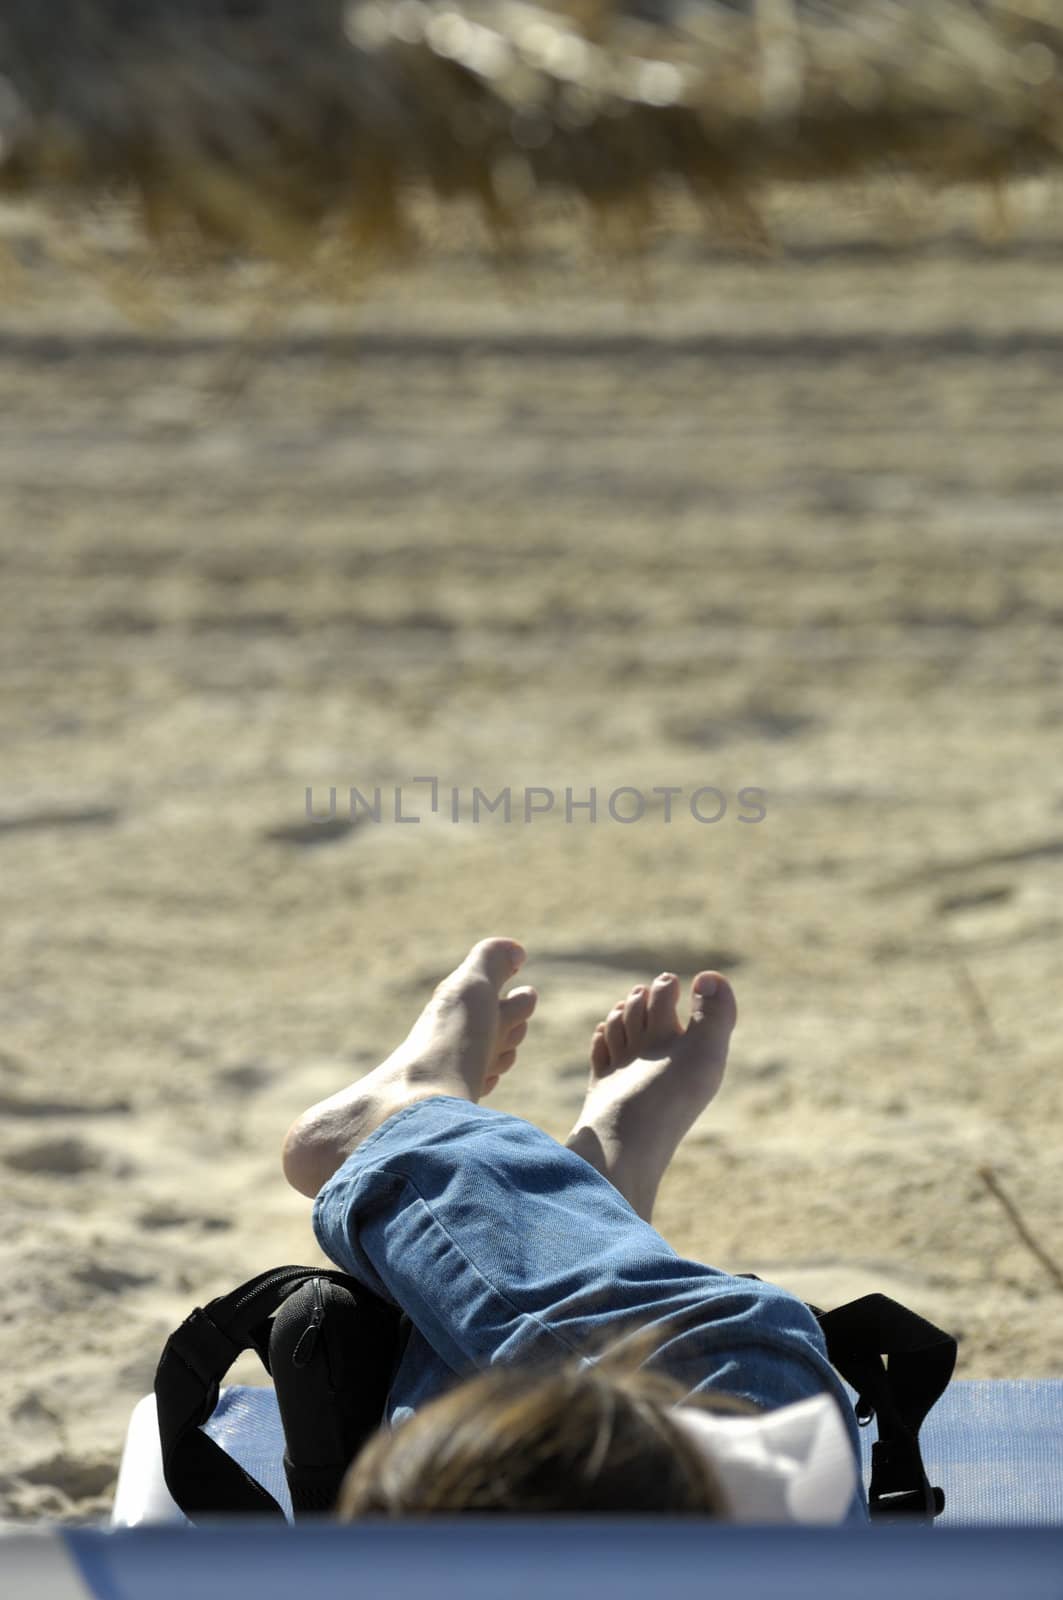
(908, 1503)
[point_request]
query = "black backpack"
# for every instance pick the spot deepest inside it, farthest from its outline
(332, 1348)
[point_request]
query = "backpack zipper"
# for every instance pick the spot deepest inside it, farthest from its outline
(307, 1341)
(284, 1275)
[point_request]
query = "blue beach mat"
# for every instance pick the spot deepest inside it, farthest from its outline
(996, 1448)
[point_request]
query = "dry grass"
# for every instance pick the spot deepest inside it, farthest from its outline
(258, 123)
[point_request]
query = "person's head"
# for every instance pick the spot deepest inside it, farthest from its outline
(573, 1438)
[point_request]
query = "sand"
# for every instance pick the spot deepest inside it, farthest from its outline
(790, 523)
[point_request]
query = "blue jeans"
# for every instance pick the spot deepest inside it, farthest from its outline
(501, 1245)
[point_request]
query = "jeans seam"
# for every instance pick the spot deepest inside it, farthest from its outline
(529, 1316)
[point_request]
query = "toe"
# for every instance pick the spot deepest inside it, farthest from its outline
(635, 1015)
(516, 1007)
(712, 1003)
(495, 959)
(513, 1036)
(600, 1057)
(502, 1062)
(662, 1017)
(615, 1036)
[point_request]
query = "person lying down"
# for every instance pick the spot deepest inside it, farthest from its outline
(561, 1356)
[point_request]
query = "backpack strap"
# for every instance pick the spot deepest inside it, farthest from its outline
(900, 1392)
(200, 1475)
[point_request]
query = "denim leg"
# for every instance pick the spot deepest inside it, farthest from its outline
(420, 1377)
(501, 1245)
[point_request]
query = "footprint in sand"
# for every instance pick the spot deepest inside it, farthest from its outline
(64, 1158)
(309, 833)
(245, 1077)
(87, 816)
(79, 1478)
(112, 1280)
(645, 960)
(991, 894)
(36, 1420)
(165, 1214)
(16, 1105)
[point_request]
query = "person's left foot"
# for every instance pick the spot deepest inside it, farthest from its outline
(462, 1042)
(651, 1078)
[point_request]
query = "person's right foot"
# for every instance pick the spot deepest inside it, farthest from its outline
(462, 1042)
(651, 1078)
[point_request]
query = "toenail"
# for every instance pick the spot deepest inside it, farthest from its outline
(637, 989)
(666, 977)
(707, 986)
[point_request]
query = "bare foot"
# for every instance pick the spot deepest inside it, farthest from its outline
(462, 1042)
(650, 1079)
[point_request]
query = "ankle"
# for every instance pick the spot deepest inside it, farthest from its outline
(307, 1160)
(632, 1178)
(320, 1141)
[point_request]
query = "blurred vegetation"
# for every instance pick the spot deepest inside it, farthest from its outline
(257, 124)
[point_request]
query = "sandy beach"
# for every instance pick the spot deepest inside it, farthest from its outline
(784, 521)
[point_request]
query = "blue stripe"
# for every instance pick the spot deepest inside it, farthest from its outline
(89, 1557)
(527, 1558)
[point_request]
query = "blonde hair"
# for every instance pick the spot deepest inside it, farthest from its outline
(573, 1437)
